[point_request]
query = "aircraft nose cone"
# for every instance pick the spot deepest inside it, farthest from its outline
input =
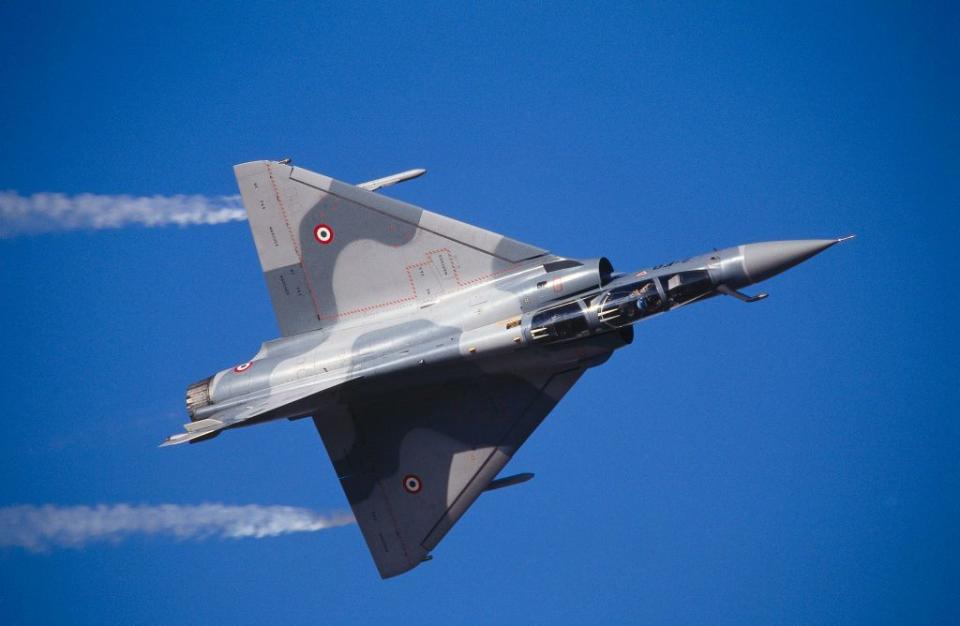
(763, 260)
(754, 262)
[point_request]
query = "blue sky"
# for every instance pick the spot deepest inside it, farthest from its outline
(790, 462)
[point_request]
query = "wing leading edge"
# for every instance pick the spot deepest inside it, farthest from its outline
(413, 463)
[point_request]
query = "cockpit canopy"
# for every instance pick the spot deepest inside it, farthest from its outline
(560, 323)
(684, 287)
(620, 307)
(629, 303)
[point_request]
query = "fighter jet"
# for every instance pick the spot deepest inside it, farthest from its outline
(427, 350)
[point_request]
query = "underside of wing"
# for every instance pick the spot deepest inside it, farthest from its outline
(332, 252)
(412, 463)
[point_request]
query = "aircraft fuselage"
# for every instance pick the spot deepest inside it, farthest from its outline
(546, 309)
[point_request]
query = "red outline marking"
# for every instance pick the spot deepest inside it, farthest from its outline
(413, 288)
(409, 268)
(296, 248)
(411, 489)
(283, 212)
(243, 367)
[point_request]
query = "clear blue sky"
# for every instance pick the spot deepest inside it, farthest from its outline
(793, 461)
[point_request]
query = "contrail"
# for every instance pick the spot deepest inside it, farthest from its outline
(42, 528)
(48, 212)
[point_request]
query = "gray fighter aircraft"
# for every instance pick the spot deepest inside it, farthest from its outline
(427, 350)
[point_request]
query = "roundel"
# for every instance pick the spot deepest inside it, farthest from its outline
(323, 233)
(412, 484)
(243, 367)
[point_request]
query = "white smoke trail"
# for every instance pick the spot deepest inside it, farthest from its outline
(47, 212)
(41, 528)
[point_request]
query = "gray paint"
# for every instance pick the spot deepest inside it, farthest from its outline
(410, 339)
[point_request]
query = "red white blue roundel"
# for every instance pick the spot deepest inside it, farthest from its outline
(323, 233)
(412, 484)
(243, 367)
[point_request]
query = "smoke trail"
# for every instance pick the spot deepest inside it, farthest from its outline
(41, 528)
(47, 212)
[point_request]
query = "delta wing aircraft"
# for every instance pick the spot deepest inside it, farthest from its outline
(427, 350)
